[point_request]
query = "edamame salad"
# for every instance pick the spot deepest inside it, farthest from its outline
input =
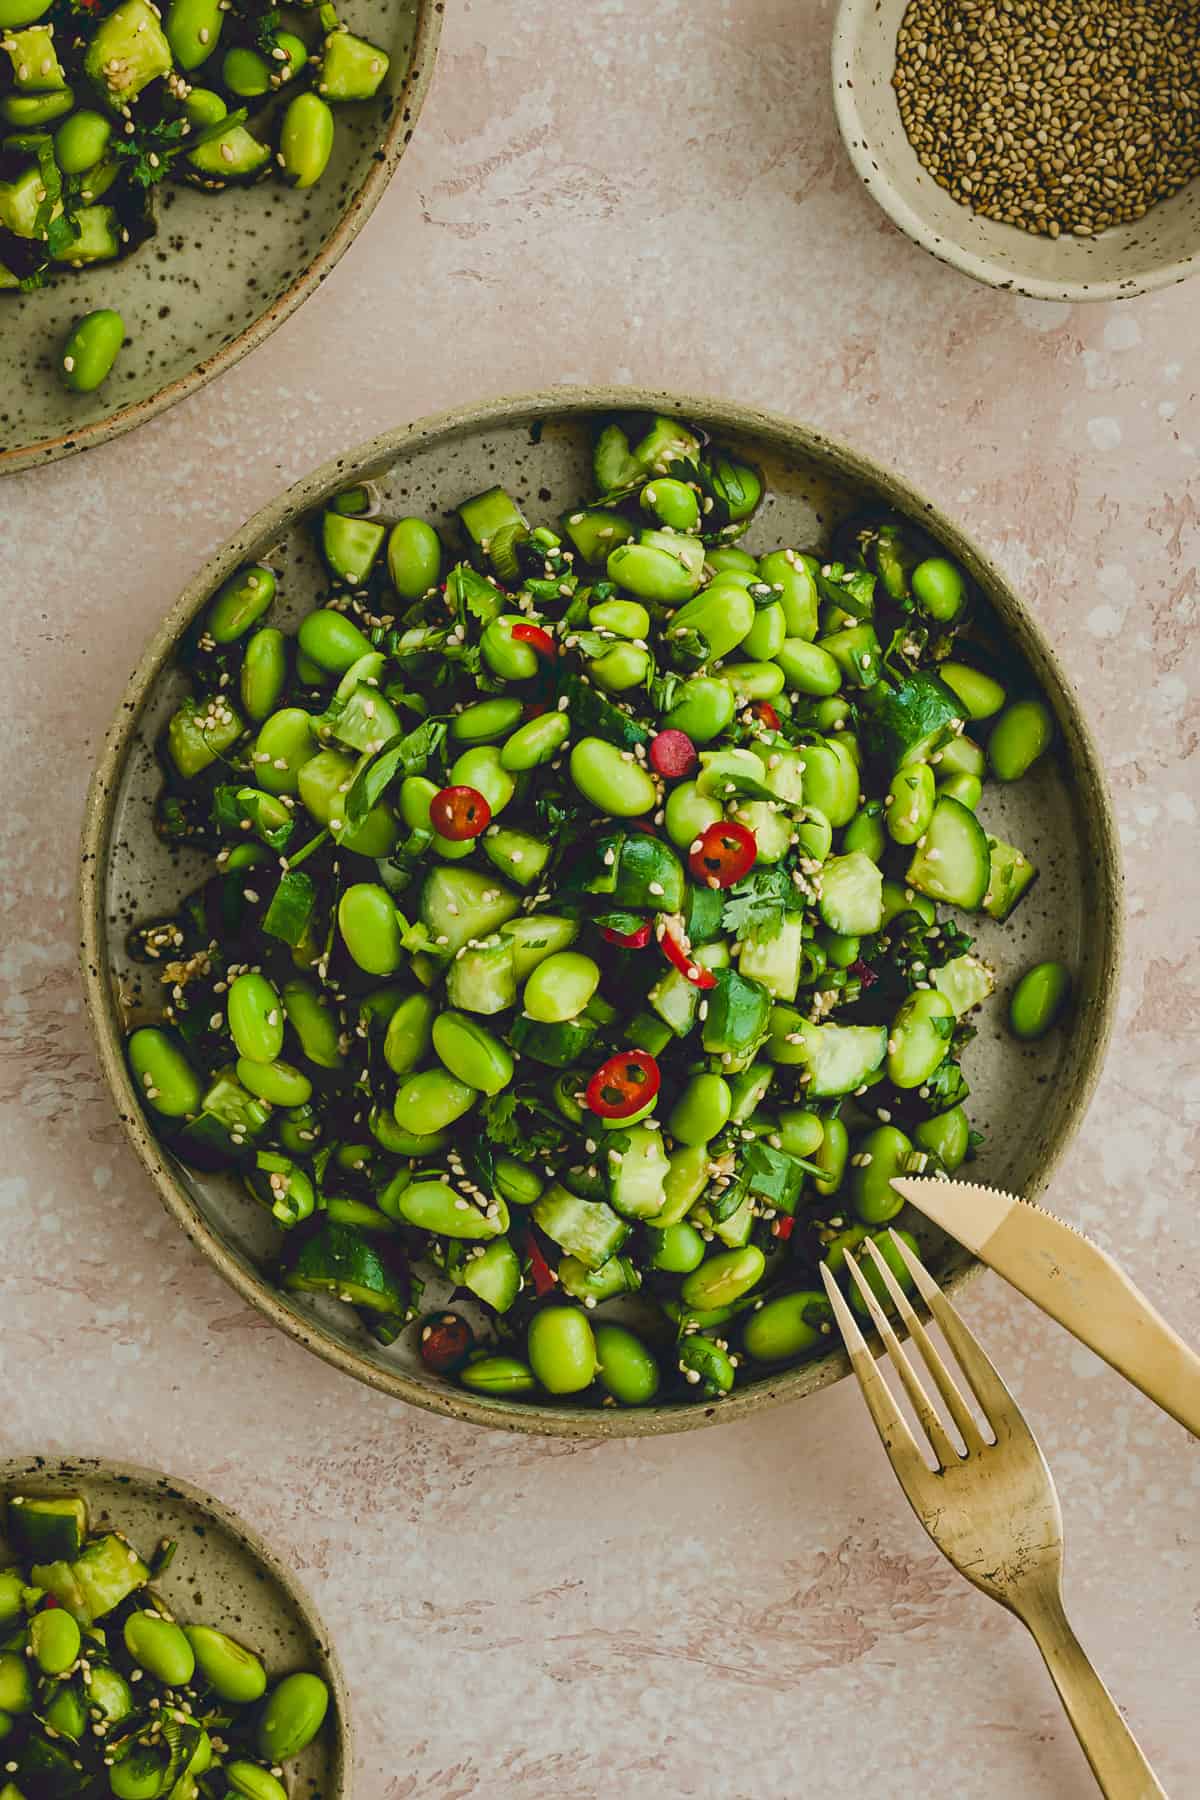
(588, 937)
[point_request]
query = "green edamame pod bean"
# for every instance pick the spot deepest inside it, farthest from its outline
(672, 502)
(202, 107)
(485, 722)
(561, 1348)
(723, 1278)
(246, 73)
(732, 556)
(193, 29)
(472, 1054)
(159, 1646)
(622, 789)
(431, 1101)
(919, 1038)
(721, 615)
(676, 1249)
(625, 1367)
(91, 350)
(881, 1154)
(231, 1671)
(306, 140)
(517, 1181)
(1019, 737)
(832, 1154)
(279, 1082)
(801, 1133)
(255, 1014)
(370, 928)
(251, 1782)
(966, 789)
(869, 1271)
(16, 14)
(981, 696)
(765, 637)
(16, 1687)
(327, 636)
(263, 673)
(292, 1717)
(164, 1077)
(627, 618)
(240, 602)
(939, 588)
(689, 813)
(535, 742)
(848, 1238)
(560, 987)
(701, 1111)
(512, 659)
(961, 756)
(81, 141)
(313, 1023)
(624, 666)
(792, 575)
(650, 571)
(755, 680)
(948, 1136)
(865, 832)
(705, 705)
(285, 742)
(110, 1693)
(414, 557)
(498, 1375)
(790, 1325)
(1037, 999)
(409, 1034)
(482, 769)
(841, 949)
(807, 667)
(909, 806)
(55, 1639)
(706, 1366)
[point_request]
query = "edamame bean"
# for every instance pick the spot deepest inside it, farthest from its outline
(939, 588)
(865, 832)
(305, 140)
(431, 1101)
(231, 1671)
(560, 987)
(706, 1366)
(732, 556)
(627, 618)
(285, 742)
(881, 1154)
(701, 1111)
(807, 667)
(159, 1646)
(193, 28)
(832, 1155)
(91, 350)
(676, 1249)
(370, 928)
(12, 1595)
(689, 813)
(263, 673)
(721, 616)
(966, 789)
(240, 602)
(255, 1014)
(16, 1687)
(948, 1136)
(755, 680)
(703, 708)
(672, 502)
(472, 1054)
(409, 1034)
(1019, 737)
(482, 769)
(801, 1133)
(869, 1271)
(498, 1375)
(981, 696)
(1038, 999)
(652, 572)
(485, 722)
(292, 1717)
(790, 1325)
(414, 557)
(723, 1278)
(909, 806)
(55, 1639)
(765, 637)
(81, 141)
(246, 73)
(624, 1365)
(327, 636)
(848, 1238)
(164, 1076)
(512, 659)
(204, 108)
(793, 575)
(624, 666)
(313, 1023)
(561, 1348)
(600, 772)
(250, 1782)
(537, 741)
(277, 1081)
(919, 1038)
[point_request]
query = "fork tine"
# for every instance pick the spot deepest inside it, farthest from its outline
(944, 1381)
(897, 1439)
(995, 1401)
(944, 1452)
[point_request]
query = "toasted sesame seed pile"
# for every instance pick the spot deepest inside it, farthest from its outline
(1053, 115)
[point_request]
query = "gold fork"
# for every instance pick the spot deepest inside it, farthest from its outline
(991, 1507)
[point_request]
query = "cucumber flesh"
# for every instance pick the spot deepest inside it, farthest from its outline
(775, 961)
(965, 981)
(636, 1183)
(587, 1229)
(1010, 872)
(851, 895)
(954, 862)
(839, 1058)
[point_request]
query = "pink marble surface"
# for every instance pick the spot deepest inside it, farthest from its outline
(653, 194)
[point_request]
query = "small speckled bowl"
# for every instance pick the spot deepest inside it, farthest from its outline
(221, 1574)
(1028, 1099)
(222, 271)
(1152, 252)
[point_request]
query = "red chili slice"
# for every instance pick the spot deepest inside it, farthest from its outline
(536, 638)
(765, 713)
(783, 1227)
(866, 974)
(459, 813)
(673, 754)
(446, 1341)
(534, 709)
(623, 1085)
(544, 1278)
(675, 953)
(628, 940)
(723, 853)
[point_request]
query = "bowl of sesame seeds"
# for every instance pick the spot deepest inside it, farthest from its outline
(1050, 147)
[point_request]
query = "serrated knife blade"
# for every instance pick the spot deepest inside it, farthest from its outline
(1072, 1280)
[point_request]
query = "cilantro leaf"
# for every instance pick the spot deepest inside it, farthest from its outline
(851, 589)
(405, 755)
(758, 906)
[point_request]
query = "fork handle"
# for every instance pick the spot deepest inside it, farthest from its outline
(1106, 1740)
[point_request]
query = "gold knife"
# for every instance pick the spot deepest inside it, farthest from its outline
(1072, 1280)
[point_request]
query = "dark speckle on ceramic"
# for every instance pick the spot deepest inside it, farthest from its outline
(221, 272)
(1027, 1100)
(221, 1575)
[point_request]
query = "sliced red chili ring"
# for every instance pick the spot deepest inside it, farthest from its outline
(536, 638)
(675, 953)
(765, 713)
(544, 1278)
(723, 853)
(623, 1085)
(783, 1227)
(673, 754)
(628, 940)
(459, 813)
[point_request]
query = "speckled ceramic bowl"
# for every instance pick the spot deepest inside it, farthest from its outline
(1028, 1099)
(222, 271)
(221, 1575)
(1152, 252)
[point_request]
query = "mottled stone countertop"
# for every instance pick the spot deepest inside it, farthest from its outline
(651, 194)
